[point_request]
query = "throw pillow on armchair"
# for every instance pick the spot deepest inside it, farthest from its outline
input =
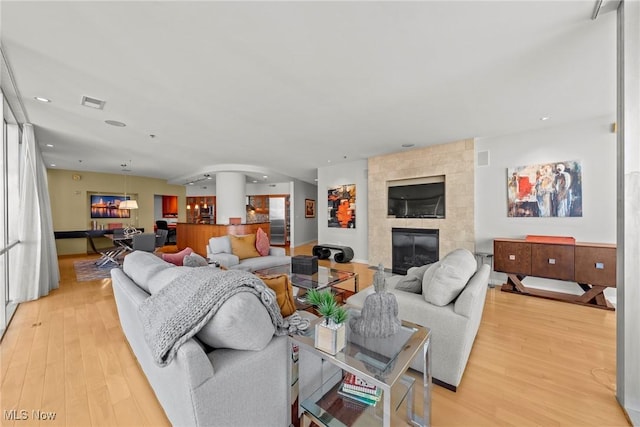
(178, 257)
(262, 242)
(244, 246)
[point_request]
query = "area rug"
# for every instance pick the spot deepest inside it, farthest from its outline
(88, 270)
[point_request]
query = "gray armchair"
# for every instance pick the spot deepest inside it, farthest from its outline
(453, 326)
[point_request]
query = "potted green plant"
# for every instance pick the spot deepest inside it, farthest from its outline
(330, 334)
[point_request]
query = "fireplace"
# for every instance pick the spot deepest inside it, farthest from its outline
(413, 247)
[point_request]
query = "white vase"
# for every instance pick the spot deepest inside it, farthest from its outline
(330, 337)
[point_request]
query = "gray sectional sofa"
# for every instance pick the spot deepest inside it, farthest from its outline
(205, 387)
(453, 312)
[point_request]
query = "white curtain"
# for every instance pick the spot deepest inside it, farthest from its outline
(36, 254)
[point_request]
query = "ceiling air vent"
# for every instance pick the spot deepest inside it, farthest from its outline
(96, 103)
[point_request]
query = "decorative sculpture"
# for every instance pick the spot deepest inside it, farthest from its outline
(379, 315)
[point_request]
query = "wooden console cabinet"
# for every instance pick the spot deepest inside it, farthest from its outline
(591, 265)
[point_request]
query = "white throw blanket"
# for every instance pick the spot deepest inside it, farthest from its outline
(176, 313)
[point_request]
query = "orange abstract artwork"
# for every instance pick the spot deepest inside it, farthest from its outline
(342, 206)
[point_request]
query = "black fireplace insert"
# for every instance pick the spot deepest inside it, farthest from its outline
(413, 247)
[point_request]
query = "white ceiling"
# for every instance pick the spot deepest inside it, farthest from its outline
(282, 88)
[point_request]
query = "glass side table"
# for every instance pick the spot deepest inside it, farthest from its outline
(382, 362)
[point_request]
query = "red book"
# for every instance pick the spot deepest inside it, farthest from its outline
(354, 383)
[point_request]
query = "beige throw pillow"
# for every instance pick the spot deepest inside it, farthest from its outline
(244, 246)
(281, 285)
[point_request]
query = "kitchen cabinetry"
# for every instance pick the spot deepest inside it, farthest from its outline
(169, 206)
(591, 265)
(260, 204)
(201, 209)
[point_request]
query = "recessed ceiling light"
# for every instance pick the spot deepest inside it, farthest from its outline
(545, 118)
(254, 181)
(191, 183)
(115, 123)
(49, 145)
(408, 145)
(41, 99)
(91, 102)
(265, 176)
(53, 165)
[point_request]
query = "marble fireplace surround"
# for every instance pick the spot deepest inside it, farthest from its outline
(456, 161)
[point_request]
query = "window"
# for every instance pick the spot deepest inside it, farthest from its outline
(9, 202)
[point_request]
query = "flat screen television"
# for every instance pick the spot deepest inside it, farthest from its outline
(417, 200)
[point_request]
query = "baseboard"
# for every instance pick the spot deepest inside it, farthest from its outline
(291, 245)
(436, 381)
(633, 416)
(65, 256)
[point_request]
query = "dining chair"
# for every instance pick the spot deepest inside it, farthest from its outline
(144, 242)
(161, 238)
(164, 225)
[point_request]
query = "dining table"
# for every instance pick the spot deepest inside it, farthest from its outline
(122, 244)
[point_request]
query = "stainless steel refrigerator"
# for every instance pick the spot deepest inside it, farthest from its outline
(277, 220)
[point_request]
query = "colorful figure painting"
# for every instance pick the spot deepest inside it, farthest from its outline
(545, 190)
(341, 209)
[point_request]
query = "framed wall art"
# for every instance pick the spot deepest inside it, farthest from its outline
(309, 208)
(106, 206)
(341, 208)
(545, 190)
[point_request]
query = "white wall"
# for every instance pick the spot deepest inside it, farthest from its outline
(265, 189)
(590, 142)
(345, 173)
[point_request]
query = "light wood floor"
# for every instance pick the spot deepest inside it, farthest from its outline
(534, 362)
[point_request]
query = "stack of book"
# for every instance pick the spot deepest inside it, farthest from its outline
(357, 389)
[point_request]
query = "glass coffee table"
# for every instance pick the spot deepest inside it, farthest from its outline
(325, 278)
(382, 362)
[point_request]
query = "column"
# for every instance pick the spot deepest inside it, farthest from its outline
(628, 211)
(230, 197)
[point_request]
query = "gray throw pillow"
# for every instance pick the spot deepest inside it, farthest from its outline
(410, 283)
(194, 260)
(241, 323)
(445, 279)
(418, 271)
